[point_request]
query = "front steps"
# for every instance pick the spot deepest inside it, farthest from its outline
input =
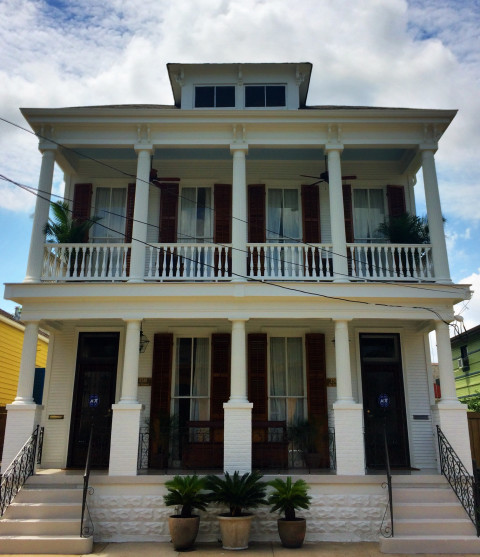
(428, 518)
(44, 518)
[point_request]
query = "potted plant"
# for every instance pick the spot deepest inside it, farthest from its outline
(287, 497)
(238, 493)
(304, 437)
(185, 492)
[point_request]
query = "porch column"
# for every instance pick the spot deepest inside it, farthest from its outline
(140, 214)
(349, 439)
(434, 215)
(126, 414)
(40, 219)
(337, 218)
(238, 411)
(23, 414)
(239, 212)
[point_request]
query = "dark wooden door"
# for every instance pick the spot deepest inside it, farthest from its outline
(383, 400)
(94, 394)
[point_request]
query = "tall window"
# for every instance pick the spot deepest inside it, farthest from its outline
(196, 215)
(110, 204)
(283, 215)
(368, 214)
(191, 388)
(287, 384)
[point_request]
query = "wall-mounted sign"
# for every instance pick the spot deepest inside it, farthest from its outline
(331, 381)
(144, 381)
(93, 401)
(55, 416)
(383, 400)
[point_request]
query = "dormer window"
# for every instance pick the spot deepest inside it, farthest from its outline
(262, 96)
(215, 96)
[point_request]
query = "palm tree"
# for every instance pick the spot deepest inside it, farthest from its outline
(62, 228)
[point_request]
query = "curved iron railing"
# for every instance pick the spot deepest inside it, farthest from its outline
(87, 530)
(387, 529)
(21, 468)
(463, 484)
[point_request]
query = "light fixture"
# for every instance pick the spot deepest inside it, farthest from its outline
(144, 341)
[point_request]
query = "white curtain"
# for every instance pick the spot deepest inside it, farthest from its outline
(188, 215)
(274, 216)
(295, 379)
(110, 205)
(199, 388)
(369, 212)
(277, 379)
(291, 215)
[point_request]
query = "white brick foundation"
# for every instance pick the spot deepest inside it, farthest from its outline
(349, 439)
(237, 449)
(452, 419)
(124, 444)
(21, 421)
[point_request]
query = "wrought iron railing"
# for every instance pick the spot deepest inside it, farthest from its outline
(386, 529)
(21, 468)
(86, 530)
(463, 484)
(40, 445)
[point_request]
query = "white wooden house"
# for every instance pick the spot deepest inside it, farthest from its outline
(239, 235)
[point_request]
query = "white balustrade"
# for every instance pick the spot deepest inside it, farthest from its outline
(85, 262)
(279, 261)
(390, 262)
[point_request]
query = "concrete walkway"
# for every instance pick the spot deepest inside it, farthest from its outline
(322, 549)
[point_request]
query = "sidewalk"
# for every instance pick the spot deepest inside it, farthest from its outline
(256, 549)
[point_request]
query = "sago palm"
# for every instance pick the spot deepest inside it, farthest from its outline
(186, 492)
(238, 492)
(288, 497)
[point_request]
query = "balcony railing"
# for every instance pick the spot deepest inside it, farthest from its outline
(213, 262)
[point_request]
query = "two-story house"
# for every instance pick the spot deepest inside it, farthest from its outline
(239, 234)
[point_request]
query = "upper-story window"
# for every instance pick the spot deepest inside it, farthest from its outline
(110, 204)
(215, 96)
(261, 96)
(368, 214)
(196, 215)
(283, 215)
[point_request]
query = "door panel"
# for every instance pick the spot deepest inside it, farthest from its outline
(94, 394)
(383, 401)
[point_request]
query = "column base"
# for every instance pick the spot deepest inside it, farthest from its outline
(22, 419)
(452, 419)
(349, 439)
(124, 440)
(237, 448)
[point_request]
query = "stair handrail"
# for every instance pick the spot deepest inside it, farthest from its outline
(86, 531)
(19, 470)
(387, 531)
(464, 485)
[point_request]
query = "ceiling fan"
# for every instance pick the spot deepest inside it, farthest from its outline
(324, 176)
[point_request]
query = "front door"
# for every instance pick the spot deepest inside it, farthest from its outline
(383, 400)
(94, 394)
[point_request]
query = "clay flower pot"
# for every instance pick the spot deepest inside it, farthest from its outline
(183, 531)
(292, 532)
(235, 531)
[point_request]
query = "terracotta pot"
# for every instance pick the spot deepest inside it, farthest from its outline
(183, 531)
(292, 532)
(235, 531)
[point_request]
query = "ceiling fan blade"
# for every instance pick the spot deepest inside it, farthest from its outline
(349, 177)
(308, 176)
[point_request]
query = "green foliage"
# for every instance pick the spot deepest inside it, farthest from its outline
(288, 497)
(61, 228)
(238, 492)
(405, 229)
(473, 403)
(303, 434)
(186, 491)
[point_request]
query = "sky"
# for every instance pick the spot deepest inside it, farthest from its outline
(415, 53)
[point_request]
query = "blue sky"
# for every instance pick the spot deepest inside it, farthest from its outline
(417, 53)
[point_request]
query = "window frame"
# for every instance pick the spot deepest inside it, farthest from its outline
(279, 239)
(265, 105)
(208, 207)
(95, 211)
(215, 86)
(372, 239)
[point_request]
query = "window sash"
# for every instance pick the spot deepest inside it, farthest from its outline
(110, 205)
(283, 215)
(368, 213)
(196, 215)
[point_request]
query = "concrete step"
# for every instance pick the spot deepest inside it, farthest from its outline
(423, 495)
(434, 527)
(430, 544)
(431, 510)
(48, 495)
(39, 527)
(44, 510)
(37, 545)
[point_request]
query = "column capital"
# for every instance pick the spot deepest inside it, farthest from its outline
(239, 319)
(425, 147)
(238, 147)
(45, 145)
(132, 320)
(139, 147)
(342, 319)
(334, 147)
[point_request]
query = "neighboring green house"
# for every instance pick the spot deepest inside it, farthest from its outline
(466, 363)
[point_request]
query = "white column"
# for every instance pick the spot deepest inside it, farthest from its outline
(337, 217)
(435, 218)
(27, 365)
(239, 212)
(126, 414)
(140, 214)
(445, 366)
(238, 411)
(349, 438)
(40, 219)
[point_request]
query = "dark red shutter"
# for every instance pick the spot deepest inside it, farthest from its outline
(311, 214)
(160, 400)
(257, 375)
(347, 212)
(396, 201)
(82, 203)
(167, 233)
(317, 392)
(129, 212)
(220, 374)
(256, 214)
(222, 202)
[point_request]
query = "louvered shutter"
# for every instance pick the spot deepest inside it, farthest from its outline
(257, 375)
(129, 212)
(317, 393)
(160, 400)
(311, 214)
(168, 213)
(396, 201)
(220, 374)
(347, 212)
(222, 200)
(82, 203)
(256, 214)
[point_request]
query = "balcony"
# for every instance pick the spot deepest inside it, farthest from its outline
(208, 262)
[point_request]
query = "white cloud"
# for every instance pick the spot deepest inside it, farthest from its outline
(471, 314)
